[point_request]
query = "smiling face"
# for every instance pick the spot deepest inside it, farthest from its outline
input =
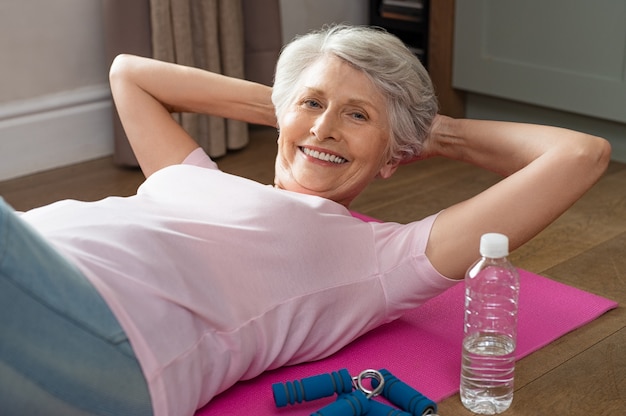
(334, 136)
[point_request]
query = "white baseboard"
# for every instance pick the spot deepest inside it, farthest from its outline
(55, 130)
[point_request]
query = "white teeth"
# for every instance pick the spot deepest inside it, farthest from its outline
(323, 156)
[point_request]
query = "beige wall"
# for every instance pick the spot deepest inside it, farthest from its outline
(49, 46)
(55, 104)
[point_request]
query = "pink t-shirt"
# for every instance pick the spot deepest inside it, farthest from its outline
(216, 278)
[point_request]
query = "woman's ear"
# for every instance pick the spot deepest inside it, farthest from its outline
(388, 169)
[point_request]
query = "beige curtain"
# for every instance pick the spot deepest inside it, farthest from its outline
(207, 34)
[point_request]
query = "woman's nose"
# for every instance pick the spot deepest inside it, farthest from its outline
(325, 127)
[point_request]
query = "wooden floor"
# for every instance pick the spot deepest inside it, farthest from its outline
(582, 373)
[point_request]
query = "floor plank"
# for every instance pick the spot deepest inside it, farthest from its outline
(593, 220)
(598, 373)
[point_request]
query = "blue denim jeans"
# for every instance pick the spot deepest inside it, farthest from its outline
(62, 352)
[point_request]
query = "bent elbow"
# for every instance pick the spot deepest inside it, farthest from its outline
(117, 67)
(600, 154)
(591, 157)
(120, 68)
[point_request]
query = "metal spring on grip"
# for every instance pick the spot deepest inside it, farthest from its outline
(378, 382)
(357, 403)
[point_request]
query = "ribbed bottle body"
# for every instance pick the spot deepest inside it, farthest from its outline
(490, 336)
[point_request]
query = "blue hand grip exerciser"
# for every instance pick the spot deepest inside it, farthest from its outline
(404, 396)
(353, 404)
(312, 388)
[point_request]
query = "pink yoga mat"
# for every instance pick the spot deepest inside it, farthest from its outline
(423, 348)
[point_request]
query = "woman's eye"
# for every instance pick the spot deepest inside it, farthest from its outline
(311, 103)
(359, 116)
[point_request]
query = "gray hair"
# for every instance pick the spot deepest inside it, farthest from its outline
(392, 67)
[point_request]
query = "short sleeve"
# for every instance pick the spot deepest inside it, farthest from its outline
(198, 157)
(410, 279)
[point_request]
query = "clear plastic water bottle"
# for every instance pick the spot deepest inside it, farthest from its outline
(490, 332)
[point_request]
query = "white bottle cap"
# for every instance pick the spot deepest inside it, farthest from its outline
(494, 245)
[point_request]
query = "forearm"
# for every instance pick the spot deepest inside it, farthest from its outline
(186, 89)
(505, 147)
(214, 94)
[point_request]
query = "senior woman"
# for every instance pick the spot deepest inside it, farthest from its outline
(154, 303)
